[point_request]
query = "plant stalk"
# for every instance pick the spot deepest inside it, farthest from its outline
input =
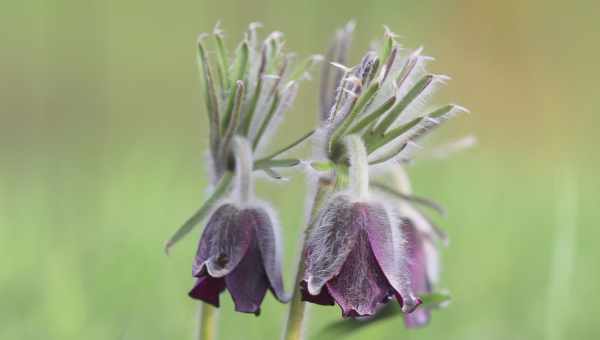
(207, 322)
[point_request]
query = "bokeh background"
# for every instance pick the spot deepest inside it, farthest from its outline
(102, 133)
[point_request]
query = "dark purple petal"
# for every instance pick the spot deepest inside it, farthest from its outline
(417, 265)
(267, 244)
(389, 251)
(417, 260)
(418, 318)
(423, 224)
(223, 244)
(329, 242)
(361, 285)
(323, 298)
(208, 289)
(248, 282)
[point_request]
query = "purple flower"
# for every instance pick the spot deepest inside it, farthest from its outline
(422, 255)
(238, 251)
(355, 258)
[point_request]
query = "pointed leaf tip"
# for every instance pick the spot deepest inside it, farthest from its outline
(461, 108)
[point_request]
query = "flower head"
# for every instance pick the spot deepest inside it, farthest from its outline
(238, 252)
(354, 257)
(354, 253)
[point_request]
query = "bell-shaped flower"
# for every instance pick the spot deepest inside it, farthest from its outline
(238, 251)
(354, 254)
(354, 257)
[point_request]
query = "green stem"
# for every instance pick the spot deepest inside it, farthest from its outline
(293, 330)
(207, 322)
(262, 164)
(288, 147)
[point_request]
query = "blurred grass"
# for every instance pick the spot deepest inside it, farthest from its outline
(101, 142)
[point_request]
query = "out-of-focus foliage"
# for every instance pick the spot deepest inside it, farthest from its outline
(102, 122)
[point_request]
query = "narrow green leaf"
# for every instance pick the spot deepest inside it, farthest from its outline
(235, 117)
(241, 62)
(408, 67)
(429, 123)
(240, 68)
(322, 166)
(393, 152)
(257, 91)
(386, 47)
(410, 198)
(290, 146)
(374, 142)
(373, 72)
(275, 163)
(361, 103)
(272, 173)
(389, 63)
(442, 111)
(373, 116)
(280, 74)
(435, 300)
(221, 189)
(274, 55)
(222, 63)
(414, 92)
(266, 120)
(212, 103)
(305, 67)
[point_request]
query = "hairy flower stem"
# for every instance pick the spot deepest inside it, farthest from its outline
(359, 166)
(294, 326)
(401, 181)
(244, 165)
(207, 322)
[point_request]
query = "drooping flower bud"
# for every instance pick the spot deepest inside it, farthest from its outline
(238, 252)
(354, 257)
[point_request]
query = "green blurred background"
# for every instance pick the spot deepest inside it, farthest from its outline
(102, 133)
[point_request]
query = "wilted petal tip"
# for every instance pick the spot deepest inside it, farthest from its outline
(441, 78)
(461, 108)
